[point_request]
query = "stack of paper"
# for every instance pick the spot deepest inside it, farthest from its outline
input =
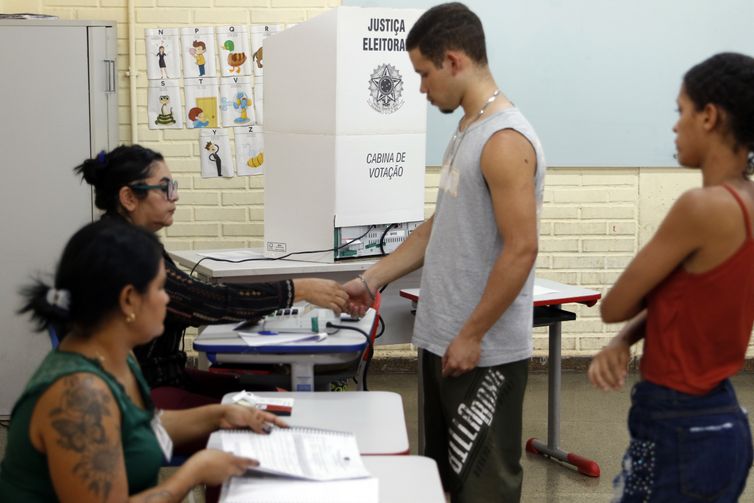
(309, 465)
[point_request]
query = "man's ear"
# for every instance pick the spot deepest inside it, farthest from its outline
(455, 61)
(127, 198)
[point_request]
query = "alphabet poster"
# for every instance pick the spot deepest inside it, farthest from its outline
(216, 157)
(236, 103)
(163, 50)
(201, 102)
(249, 150)
(235, 55)
(198, 49)
(164, 108)
(259, 32)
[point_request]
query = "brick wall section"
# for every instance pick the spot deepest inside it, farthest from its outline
(591, 220)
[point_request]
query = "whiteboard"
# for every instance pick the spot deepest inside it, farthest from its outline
(598, 79)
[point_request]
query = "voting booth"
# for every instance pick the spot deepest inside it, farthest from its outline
(345, 132)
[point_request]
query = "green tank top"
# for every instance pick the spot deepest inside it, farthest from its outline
(24, 475)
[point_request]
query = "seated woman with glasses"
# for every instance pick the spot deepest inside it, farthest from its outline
(85, 428)
(133, 184)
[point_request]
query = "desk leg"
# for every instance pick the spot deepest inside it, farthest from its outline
(552, 449)
(553, 387)
(202, 363)
(302, 377)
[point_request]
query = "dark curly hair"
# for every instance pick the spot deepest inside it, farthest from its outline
(108, 172)
(727, 80)
(449, 26)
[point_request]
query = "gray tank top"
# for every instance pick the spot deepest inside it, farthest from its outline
(464, 245)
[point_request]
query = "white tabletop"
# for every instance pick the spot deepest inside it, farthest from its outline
(546, 293)
(223, 339)
(219, 270)
(374, 417)
(406, 479)
(401, 479)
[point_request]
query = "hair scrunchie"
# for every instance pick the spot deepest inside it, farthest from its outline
(101, 159)
(59, 298)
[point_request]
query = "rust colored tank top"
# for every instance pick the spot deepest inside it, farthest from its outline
(699, 325)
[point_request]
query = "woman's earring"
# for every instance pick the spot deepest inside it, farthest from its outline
(131, 317)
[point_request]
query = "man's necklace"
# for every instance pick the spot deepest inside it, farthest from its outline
(459, 135)
(481, 111)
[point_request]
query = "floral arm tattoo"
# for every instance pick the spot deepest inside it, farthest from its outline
(78, 422)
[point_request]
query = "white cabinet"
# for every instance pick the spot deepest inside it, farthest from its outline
(59, 106)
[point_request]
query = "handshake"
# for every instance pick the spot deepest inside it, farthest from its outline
(353, 297)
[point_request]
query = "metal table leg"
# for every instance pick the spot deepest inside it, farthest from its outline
(553, 319)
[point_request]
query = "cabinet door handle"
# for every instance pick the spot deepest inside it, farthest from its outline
(110, 86)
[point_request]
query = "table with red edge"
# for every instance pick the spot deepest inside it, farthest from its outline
(548, 297)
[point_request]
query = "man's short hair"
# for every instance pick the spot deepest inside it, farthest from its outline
(449, 26)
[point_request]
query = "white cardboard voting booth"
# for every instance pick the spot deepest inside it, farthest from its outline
(345, 130)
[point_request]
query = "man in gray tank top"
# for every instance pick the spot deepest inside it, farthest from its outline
(478, 250)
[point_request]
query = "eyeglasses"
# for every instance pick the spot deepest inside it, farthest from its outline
(169, 187)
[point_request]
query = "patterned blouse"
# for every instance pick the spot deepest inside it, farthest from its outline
(194, 303)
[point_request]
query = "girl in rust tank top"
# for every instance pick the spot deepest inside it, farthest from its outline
(689, 295)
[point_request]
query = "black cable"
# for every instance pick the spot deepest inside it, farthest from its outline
(382, 327)
(277, 258)
(366, 367)
(347, 327)
(370, 347)
(382, 238)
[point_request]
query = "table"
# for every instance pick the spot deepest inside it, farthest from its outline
(402, 479)
(406, 479)
(398, 321)
(375, 417)
(547, 312)
(220, 344)
(234, 272)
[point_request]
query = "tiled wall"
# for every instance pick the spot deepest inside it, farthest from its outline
(593, 219)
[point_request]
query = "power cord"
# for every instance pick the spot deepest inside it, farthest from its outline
(333, 249)
(370, 347)
(381, 330)
(382, 238)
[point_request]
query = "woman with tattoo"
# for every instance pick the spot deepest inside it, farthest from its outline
(85, 428)
(133, 184)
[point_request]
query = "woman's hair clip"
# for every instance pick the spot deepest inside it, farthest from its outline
(59, 298)
(101, 158)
